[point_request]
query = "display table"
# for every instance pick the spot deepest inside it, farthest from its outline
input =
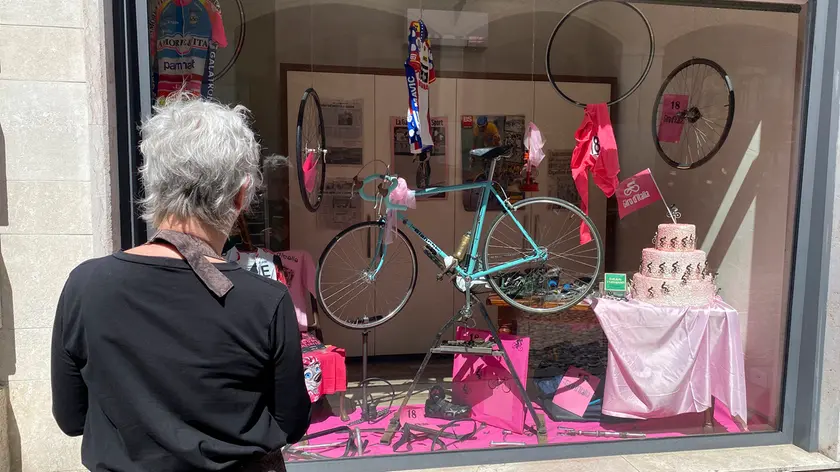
(666, 361)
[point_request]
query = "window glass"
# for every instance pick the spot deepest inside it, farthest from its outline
(635, 257)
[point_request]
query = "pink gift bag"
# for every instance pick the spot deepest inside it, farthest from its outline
(486, 385)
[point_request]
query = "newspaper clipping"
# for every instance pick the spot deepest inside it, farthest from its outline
(344, 130)
(341, 206)
(560, 182)
(483, 131)
(419, 175)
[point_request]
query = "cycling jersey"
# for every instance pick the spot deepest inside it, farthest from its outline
(596, 150)
(419, 73)
(490, 137)
(184, 36)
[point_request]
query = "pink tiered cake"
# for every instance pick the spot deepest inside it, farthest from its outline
(674, 272)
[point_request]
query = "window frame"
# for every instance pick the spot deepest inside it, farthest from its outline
(818, 109)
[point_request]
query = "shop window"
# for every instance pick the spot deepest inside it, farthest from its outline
(674, 291)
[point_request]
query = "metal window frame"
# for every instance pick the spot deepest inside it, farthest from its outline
(819, 111)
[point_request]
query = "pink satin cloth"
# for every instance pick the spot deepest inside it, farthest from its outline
(666, 361)
(534, 142)
(401, 195)
(309, 173)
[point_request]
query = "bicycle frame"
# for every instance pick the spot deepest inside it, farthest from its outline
(470, 272)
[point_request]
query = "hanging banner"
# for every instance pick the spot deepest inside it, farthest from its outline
(407, 165)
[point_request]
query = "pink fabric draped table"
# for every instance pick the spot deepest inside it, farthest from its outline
(666, 361)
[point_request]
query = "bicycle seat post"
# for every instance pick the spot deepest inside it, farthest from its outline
(492, 169)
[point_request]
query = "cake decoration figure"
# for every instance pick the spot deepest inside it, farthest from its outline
(662, 269)
(665, 288)
(662, 241)
(650, 267)
(674, 212)
(685, 242)
(675, 267)
(685, 279)
(674, 242)
(650, 292)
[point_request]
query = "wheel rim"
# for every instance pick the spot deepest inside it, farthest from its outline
(648, 65)
(570, 269)
(348, 291)
(311, 146)
(706, 119)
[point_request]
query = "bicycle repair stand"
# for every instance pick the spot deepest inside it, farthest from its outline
(369, 412)
(439, 348)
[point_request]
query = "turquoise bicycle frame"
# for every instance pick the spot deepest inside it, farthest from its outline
(487, 189)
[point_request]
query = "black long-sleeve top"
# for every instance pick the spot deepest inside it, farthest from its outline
(159, 375)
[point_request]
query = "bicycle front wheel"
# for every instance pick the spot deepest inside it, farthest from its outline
(567, 273)
(361, 282)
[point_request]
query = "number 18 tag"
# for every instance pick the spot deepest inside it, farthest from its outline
(414, 414)
(672, 118)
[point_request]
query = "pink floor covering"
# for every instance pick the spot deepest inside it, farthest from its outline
(688, 424)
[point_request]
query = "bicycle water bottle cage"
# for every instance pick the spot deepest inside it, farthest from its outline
(491, 152)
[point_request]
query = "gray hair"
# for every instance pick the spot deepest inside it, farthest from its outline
(198, 155)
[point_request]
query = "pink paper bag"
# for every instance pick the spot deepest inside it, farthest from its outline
(486, 385)
(576, 390)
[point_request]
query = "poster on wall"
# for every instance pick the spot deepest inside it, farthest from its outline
(481, 131)
(344, 130)
(407, 165)
(341, 206)
(560, 182)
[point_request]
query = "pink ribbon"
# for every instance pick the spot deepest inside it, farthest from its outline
(401, 195)
(534, 143)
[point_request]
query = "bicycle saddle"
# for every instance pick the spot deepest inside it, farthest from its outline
(490, 153)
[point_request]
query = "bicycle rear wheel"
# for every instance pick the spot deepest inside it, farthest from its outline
(361, 282)
(560, 281)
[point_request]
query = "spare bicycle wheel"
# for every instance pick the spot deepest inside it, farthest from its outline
(693, 113)
(566, 17)
(311, 152)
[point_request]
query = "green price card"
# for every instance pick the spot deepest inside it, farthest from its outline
(615, 284)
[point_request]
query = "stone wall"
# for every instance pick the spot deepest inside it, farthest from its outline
(56, 190)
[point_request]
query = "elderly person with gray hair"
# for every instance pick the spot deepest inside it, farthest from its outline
(165, 357)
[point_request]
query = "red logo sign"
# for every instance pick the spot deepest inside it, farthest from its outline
(467, 121)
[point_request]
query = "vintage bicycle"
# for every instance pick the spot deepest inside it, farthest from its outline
(532, 255)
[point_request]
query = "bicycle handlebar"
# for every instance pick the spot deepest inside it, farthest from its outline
(382, 190)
